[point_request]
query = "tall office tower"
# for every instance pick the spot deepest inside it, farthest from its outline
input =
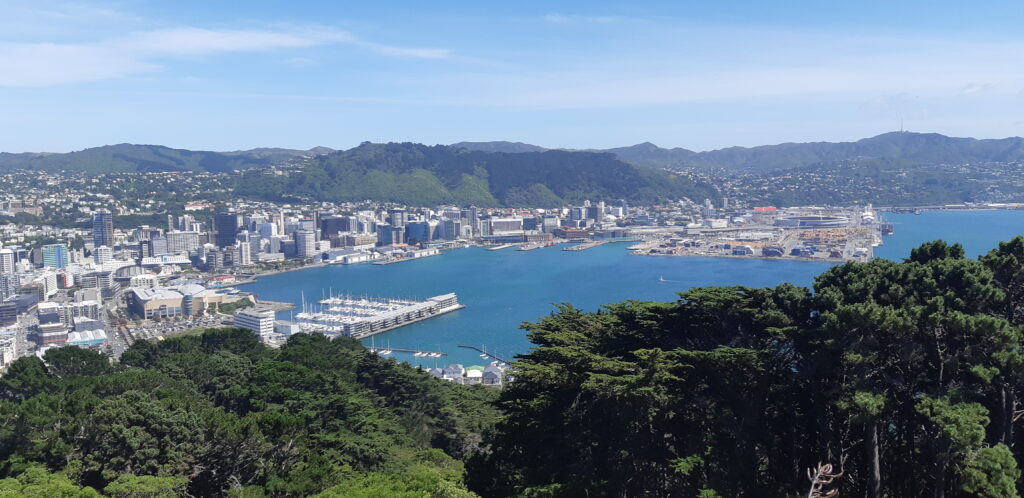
(398, 217)
(384, 234)
(8, 286)
(267, 230)
(244, 257)
(170, 223)
(102, 254)
(474, 219)
(305, 243)
(55, 256)
(6, 261)
(226, 224)
(280, 221)
(103, 229)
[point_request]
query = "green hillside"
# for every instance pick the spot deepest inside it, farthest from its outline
(417, 174)
(910, 148)
(146, 158)
(222, 415)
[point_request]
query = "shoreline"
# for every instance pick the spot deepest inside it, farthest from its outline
(767, 258)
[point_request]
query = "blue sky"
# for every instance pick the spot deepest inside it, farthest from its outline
(234, 75)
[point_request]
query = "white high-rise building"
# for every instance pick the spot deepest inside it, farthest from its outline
(244, 254)
(102, 254)
(6, 261)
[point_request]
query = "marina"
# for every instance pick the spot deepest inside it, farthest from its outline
(415, 352)
(361, 317)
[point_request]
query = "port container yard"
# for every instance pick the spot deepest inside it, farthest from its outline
(810, 234)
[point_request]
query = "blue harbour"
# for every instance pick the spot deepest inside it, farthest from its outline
(503, 289)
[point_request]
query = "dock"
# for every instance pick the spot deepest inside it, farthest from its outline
(585, 245)
(421, 353)
(500, 247)
(401, 260)
(275, 305)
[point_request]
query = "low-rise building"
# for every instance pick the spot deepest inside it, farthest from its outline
(159, 302)
(259, 320)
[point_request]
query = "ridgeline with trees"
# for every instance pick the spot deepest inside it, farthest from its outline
(422, 175)
(888, 379)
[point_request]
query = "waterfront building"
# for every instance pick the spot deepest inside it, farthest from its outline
(385, 234)
(305, 243)
(149, 303)
(417, 232)
(244, 254)
(55, 256)
(259, 320)
(501, 225)
(103, 229)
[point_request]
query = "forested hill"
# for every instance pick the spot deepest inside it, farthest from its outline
(424, 175)
(222, 415)
(149, 158)
(908, 377)
(895, 148)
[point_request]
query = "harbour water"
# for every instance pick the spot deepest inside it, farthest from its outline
(502, 289)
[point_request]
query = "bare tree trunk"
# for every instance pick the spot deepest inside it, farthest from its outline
(874, 457)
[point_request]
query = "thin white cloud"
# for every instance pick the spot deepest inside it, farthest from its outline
(48, 64)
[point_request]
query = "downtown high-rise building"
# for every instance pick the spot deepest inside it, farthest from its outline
(6, 261)
(103, 228)
(55, 256)
(305, 243)
(399, 217)
(226, 225)
(100, 255)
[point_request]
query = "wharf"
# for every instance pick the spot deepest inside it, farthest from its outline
(585, 245)
(425, 354)
(275, 305)
(500, 247)
(402, 260)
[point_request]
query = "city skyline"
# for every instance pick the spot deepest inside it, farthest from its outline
(595, 75)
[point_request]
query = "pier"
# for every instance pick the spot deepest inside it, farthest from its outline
(585, 245)
(483, 352)
(500, 247)
(417, 352)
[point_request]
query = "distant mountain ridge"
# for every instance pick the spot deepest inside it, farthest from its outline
(908, 147)
(150, 158)
(423, 175)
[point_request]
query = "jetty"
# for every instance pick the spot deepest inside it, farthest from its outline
(483, 352)
(585, 245)
(500, 247)
(417, 352)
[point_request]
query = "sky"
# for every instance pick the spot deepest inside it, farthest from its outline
(219, 75)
